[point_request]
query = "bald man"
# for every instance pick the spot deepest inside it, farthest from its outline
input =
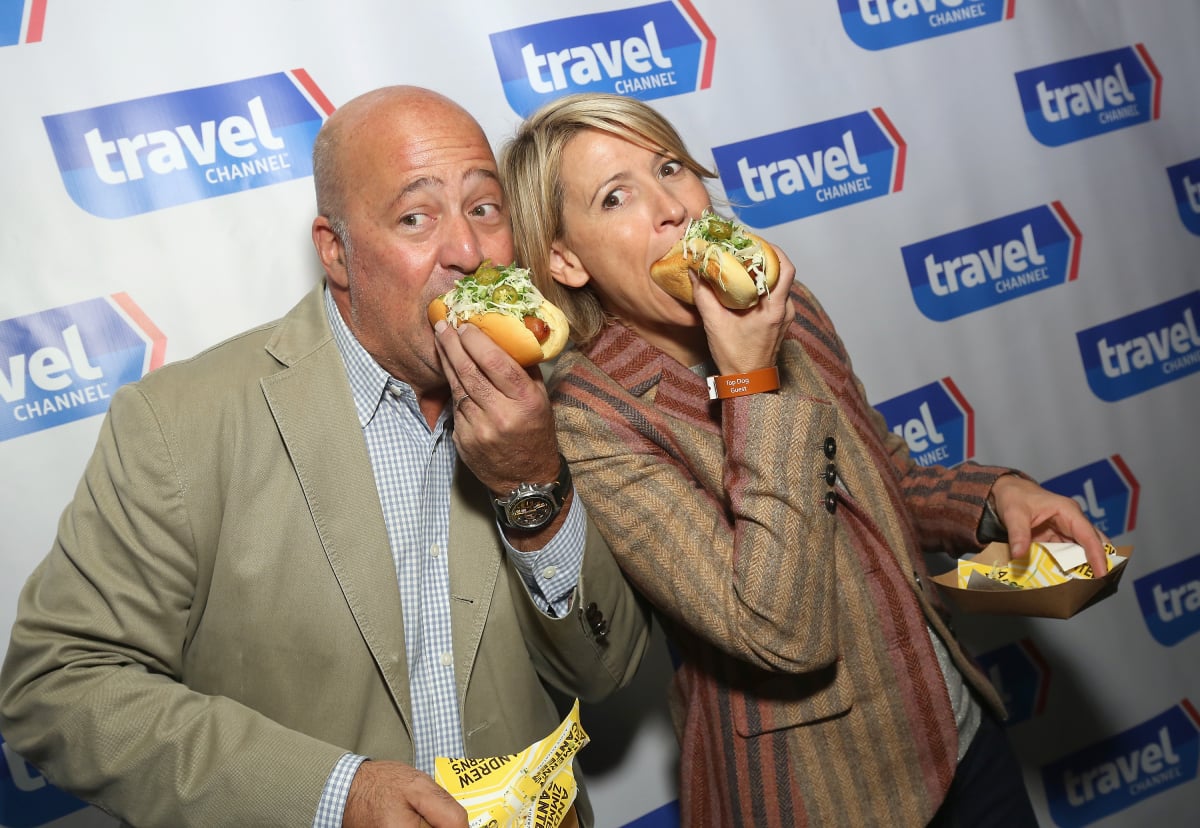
(284, 585)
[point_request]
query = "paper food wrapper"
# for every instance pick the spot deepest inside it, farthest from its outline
(1047, 564)
(1054, 581)
(531, 789)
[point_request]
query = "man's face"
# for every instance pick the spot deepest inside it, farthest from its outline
(423, 206)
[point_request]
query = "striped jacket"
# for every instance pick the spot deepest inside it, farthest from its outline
(780, 536)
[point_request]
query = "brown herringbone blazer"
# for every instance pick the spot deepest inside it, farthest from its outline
(795, 595)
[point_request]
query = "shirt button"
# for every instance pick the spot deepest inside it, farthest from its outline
(435, 550)
(549, 572)
(447, 659)
(395, 390)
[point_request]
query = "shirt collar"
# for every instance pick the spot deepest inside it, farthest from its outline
(368, 381)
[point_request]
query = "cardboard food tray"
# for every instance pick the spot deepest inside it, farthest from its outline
(1059, 601)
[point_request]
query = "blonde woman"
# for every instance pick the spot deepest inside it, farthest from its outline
(779, 534)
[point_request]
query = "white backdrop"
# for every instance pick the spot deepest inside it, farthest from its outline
(1057, 143)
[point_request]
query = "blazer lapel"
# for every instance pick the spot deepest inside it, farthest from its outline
(312, 406)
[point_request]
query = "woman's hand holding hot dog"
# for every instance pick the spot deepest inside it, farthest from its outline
(745, 340)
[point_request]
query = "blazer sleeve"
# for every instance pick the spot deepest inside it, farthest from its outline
(90, 691)
(596, 647)
(944, 503)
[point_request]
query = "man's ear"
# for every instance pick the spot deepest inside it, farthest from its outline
(331, 252)
(565, 266)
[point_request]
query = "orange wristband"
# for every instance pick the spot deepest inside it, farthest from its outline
(727, 386)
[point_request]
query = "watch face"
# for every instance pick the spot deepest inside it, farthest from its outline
(531, 511)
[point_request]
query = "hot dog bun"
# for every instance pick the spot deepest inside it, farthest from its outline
(511, 334)
(718, 262)
(504, 304)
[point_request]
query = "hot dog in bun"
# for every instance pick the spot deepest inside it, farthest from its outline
(504, 303)
(739, 265)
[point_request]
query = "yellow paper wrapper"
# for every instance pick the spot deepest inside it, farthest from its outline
(531, 789)
(1048, 564)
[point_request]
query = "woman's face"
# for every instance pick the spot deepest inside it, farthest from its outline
(624, 207)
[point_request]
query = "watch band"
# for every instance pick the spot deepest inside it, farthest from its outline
(531, 506)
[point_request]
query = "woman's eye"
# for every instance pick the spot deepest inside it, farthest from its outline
(671, 168)
(485, 210)
(614, 199)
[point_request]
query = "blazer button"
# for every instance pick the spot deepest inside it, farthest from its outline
(830, 474)
(830, 447)
(592, 613)
(831, 500)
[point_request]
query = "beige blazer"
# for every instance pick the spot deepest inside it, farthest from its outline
(218, 620)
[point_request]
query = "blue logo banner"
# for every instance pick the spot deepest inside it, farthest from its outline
(993, 262)
(64, 364)
(1106, 491)
(27, 800)
(935, 421)
(1086, 96)
(138, 156)
(1021, 676)
(882, 24)
(799, 172)
(1121, 771)
(1170, 601)
(1144, 350)
(645, 52)
(1185, 185)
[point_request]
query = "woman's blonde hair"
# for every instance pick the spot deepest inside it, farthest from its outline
(531, 172)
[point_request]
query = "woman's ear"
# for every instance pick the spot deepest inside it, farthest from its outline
(565, 266)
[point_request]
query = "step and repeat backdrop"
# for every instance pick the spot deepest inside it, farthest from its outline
(998, 202)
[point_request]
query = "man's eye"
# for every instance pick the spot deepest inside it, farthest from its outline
(414, 219)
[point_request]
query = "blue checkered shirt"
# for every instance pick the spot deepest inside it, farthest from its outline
(414, 467)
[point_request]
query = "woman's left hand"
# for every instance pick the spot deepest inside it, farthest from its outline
(1031, 513)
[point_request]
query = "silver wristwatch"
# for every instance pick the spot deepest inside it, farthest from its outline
(533, 505)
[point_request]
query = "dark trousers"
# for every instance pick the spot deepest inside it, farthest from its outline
(988, 790)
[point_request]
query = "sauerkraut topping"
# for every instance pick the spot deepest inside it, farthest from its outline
(506, 289)
(709, 233)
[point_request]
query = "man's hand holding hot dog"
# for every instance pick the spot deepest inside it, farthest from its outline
(503, 426)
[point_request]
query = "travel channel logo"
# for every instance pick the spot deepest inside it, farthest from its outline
(645, 52)
(1144, 350)
(1185, 184)
(1106, 491)
(1021, 676)
(21, 21)
(151, 153)
(1170, 601)
(64, 364)
(1091, 95)
(26, 798)
(935, 421)
(994, 262)
(881, 24)
(799, 172)
(1125, 769)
